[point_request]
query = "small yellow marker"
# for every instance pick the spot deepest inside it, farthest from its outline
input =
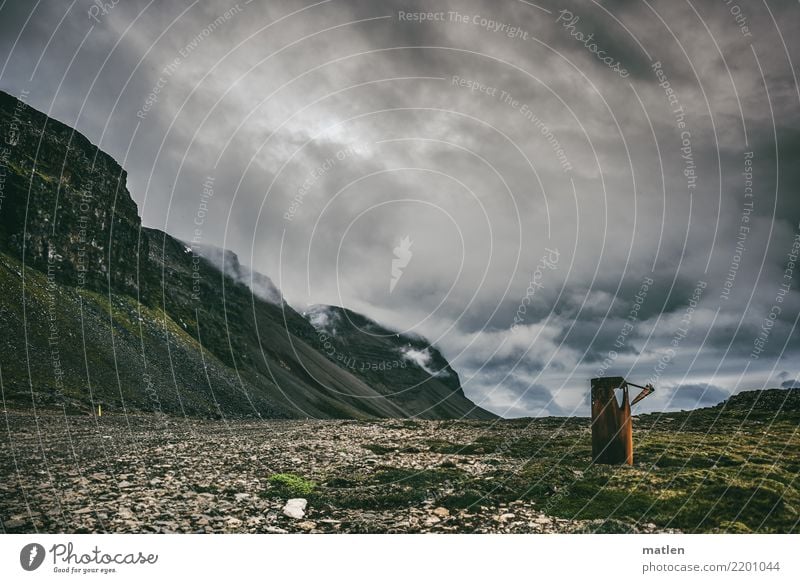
(99, 410)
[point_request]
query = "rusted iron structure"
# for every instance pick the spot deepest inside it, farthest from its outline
(612, 431)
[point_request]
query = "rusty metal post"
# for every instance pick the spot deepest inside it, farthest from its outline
(612, 430)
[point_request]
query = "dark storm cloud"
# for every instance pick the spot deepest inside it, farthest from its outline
(604, 32)
(516, 396)
(691, 396)
(272, 105)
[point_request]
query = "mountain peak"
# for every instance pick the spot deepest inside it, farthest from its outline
(63, 199)
(228, 263)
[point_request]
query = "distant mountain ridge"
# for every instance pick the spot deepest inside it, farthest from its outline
(764, 400)
(105, 311)
(404, 367)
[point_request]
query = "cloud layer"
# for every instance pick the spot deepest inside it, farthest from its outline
(491, 135)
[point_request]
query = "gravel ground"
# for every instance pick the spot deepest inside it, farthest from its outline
(144, 473)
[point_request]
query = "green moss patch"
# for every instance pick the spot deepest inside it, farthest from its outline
(291, 485)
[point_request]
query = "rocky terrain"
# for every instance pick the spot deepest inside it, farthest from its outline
(712, 470)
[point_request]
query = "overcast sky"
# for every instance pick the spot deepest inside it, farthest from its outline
(618, 172)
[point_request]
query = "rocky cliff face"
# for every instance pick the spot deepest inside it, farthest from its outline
(99, 310)
(66, 207)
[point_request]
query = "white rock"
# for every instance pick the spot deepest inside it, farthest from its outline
(295, 508)
(441, 512)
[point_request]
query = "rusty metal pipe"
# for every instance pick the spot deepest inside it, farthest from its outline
(612, 426)
(612, 432)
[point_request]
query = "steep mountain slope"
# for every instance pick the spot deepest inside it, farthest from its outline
(403, 367)
(99, 310)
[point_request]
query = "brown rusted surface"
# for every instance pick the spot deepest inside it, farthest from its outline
(646, 390)
(612, 430)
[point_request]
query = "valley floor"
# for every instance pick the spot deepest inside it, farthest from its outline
(144, 473)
